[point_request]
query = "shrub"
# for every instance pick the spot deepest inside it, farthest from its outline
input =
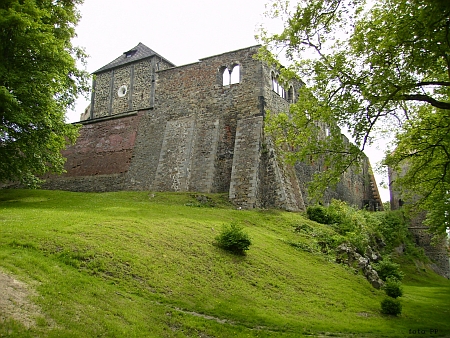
(391, 306)
(319, 214)
(393, 287)
(234, 239)
(386, 268)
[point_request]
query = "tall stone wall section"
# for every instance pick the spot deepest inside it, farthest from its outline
(204, 152)
(173, 172)
(146, 156)
(245, 170)
(279, 186)
(196, 92)
(101, 96)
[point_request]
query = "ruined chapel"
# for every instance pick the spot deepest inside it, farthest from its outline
(199, 127)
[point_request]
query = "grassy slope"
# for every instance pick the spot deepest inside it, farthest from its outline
(140, 264)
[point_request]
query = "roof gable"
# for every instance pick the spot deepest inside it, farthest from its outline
(137, 53)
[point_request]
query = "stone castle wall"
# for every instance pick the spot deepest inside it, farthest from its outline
(184, 129)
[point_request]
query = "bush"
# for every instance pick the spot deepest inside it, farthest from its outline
(386, 268)
(393, 287)
(234, 239)
(391, 306)
(319, 214)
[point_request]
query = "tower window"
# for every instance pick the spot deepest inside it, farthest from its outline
(225, 76)
(231, 77)
(277, 88)
(235, 74)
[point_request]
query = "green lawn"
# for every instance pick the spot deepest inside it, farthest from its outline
(140, 264)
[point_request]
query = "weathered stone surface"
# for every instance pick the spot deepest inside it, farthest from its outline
(372, 276)
(346, 254)
(244, 174)
(153, 126)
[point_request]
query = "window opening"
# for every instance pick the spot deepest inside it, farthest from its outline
(225, 77)
(235, 74)
(130, 53)
(277, 88)
(122, 91)
(290, 95)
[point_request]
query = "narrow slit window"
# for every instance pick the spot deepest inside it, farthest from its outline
(290, 95)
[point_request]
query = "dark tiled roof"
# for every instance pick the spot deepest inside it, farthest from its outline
(139, 52)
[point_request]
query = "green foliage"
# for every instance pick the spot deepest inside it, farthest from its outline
(233, 238)
(391, 306)
(378, 69)
(320, 214)
(393, 287)
(388, 269)
(424, 143)
(39, 81)
(359, 228)
(394, 228)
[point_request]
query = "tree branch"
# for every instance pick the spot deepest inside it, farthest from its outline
(433, 83)
(426, 98)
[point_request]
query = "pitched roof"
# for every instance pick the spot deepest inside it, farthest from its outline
(139, 52)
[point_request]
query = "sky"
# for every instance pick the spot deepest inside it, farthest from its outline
(182, 31)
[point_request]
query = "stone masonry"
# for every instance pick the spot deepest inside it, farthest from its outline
(199, 127)
(436, 250)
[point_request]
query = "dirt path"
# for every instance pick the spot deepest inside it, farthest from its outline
(15, 301)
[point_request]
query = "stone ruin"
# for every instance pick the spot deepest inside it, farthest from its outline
(199, 127)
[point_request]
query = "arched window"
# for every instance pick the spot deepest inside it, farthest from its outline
(274, 83)
(277, 88)
(232, 76)
(235, 76)
(225, 76)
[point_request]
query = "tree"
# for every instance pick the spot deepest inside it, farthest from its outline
(39, 80)
(371, 70)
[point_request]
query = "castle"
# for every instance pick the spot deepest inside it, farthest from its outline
(199, 127)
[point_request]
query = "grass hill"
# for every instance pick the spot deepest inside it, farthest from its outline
(140, 264)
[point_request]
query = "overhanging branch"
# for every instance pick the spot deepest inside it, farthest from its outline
(426, 98)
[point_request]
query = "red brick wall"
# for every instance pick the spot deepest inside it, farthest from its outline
(103, 148)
